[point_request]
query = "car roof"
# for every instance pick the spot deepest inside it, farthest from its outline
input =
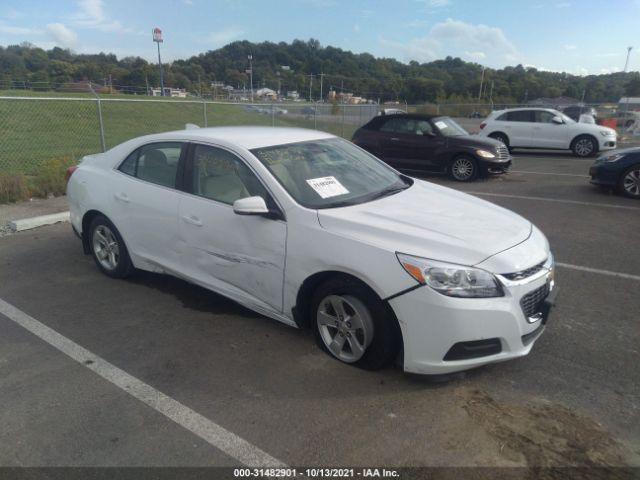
(243, 136)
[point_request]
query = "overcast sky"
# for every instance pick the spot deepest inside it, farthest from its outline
(577, 36)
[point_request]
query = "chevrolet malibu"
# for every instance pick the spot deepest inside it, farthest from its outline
(313, 231)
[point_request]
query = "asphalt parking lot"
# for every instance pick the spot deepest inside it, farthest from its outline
(198, 380)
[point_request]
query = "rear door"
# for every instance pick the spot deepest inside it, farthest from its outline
(518, 126)
(145, 203)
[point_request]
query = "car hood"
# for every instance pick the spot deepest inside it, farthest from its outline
(474, 141)
(431, 221)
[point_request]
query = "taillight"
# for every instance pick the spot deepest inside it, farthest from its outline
(70, 171)
(482, 125)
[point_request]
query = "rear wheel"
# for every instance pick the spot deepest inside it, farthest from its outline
(353, 325)
(108, 248)
(629, 183)
(584, 146)
(463, 168)
(501, 137)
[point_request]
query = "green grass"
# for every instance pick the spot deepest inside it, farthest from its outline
(33, 131)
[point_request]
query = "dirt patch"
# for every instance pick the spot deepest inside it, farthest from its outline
(548, 435)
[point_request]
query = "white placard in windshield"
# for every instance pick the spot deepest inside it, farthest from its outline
(327, 187)
(441, 125)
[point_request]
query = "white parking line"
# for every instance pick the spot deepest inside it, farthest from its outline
(555, 200)
(628, 276)
(549, 173)
(212, 433)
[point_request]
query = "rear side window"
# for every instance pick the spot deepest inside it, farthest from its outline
(520, 116)
(155, 163)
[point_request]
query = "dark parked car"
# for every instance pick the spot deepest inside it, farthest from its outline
(435, 144)
(620, 170)
(574, 112)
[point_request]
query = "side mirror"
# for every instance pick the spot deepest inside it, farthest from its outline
(250, 206)
(557, 120)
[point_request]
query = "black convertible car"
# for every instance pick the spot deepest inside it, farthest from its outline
(434, 144)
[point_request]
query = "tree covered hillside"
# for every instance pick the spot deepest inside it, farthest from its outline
(309, 64)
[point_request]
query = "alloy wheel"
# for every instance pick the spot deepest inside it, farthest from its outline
(345, 326)
(105, 247)
(462, 169)
(584, 147)
(631, 182)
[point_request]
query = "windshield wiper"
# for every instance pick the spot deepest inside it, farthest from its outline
(385, 192)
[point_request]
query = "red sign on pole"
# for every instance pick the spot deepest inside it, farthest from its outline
(157, 35)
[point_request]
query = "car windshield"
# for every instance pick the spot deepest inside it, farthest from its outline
(330, 173)
(448, 127)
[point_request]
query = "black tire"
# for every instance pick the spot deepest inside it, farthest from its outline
(382, 348)
(104, 237)
(584, 146)
(463, 168)
(501, 137)
(629, 183)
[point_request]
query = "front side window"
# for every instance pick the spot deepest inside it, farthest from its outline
(220, 175)
(330, 173)
(543, 116)
(155, 163)
(399, 125)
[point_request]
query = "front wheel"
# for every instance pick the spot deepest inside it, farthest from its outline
(584, 146)
(353, 325)
(108, 248)
(463, 169)
(629, 183)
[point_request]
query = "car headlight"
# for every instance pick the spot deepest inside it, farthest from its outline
(613, 158)
(485, 154)
(450, 279)
(607, 133)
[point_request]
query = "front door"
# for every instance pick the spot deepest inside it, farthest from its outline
(239, 256)
(409, 143)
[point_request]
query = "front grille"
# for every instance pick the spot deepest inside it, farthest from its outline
(522, 274)
(532, 301)
(503, 152)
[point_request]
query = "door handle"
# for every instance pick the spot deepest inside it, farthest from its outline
(193, 220)
(123, 197)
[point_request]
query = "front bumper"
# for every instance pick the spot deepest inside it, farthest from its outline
(605, 174)
(496, 168)
(445, 334)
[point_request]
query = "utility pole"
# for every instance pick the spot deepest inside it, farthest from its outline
(481, 82)
(110, 85)
(626, 105)
(310, 84)
(321, 97)
(250, 57)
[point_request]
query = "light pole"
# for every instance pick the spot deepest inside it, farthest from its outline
(250, 57)
(626, 64)
(157, 37)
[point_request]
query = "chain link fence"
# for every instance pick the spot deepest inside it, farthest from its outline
(35, 129)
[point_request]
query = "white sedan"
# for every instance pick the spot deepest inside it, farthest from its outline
(549, 129)
(313, 231)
